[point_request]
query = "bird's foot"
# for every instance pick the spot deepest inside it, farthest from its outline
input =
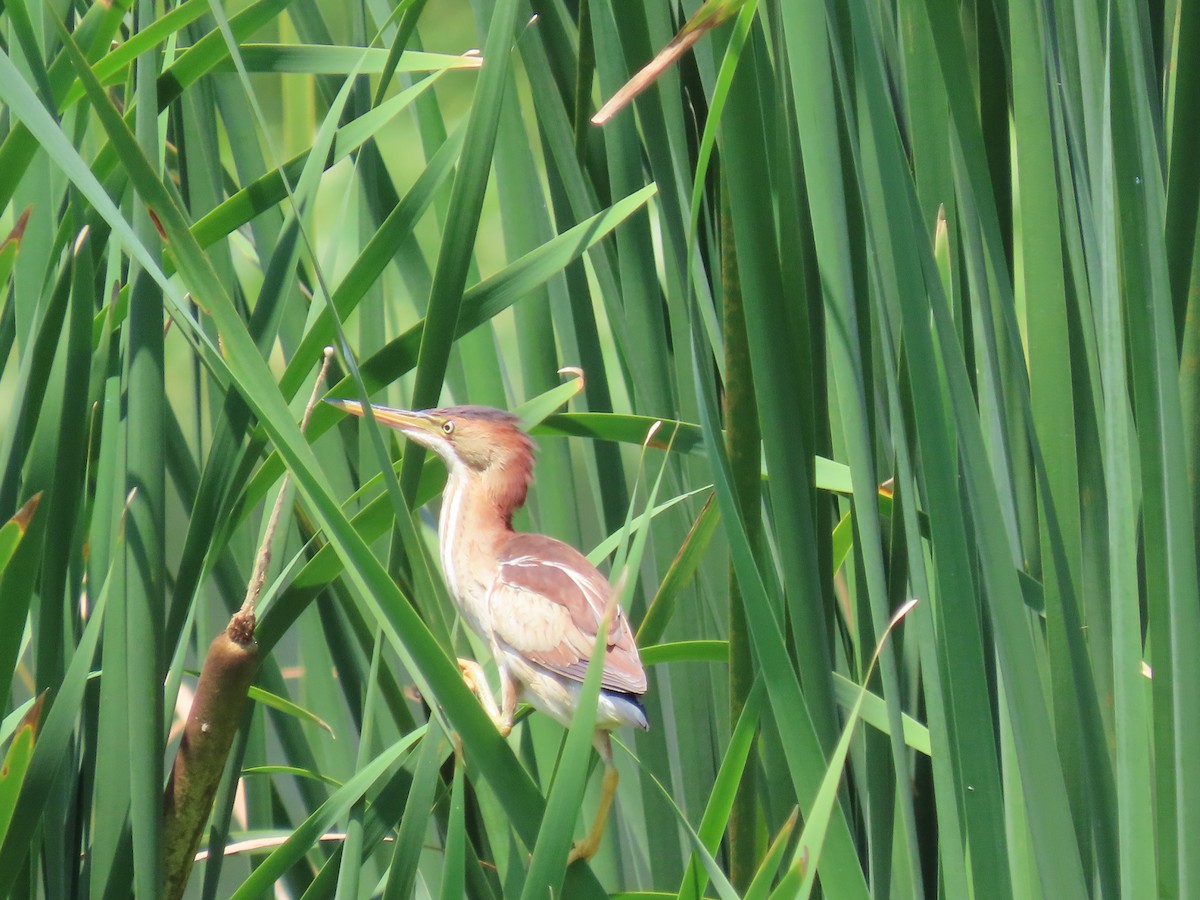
(475, 679)
(584, 849)
(472, 674)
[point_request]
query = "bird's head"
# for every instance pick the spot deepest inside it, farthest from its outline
(478, 441)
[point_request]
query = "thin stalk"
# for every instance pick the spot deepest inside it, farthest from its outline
(743, 439)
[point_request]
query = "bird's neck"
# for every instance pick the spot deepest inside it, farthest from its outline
(471, 528)
(474, 502)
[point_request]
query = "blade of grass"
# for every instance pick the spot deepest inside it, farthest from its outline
(802, 872)
(403, 870)
(16, 765)
(322, 819)
(55, 743)
(761, 885)
(453, 881)
(721, 800)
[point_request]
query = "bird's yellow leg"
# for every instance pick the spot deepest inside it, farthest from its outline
(473, 675)
(587, 848)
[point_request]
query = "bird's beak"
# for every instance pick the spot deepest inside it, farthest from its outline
(414, 424)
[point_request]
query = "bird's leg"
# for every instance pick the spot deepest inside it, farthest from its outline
(587, 848)
(473, 675)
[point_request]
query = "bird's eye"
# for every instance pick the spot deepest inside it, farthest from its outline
(447, 428)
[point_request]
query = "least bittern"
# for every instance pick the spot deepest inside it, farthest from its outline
(536, 602)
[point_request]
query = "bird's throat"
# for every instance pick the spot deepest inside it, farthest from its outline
(471, 529)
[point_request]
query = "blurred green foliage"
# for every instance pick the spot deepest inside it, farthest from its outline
(919, 282)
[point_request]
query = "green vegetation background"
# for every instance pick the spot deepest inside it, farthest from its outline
(911, 286)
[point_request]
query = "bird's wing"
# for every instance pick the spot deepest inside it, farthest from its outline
(547, 603)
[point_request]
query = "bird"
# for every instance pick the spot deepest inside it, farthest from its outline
(536, 602)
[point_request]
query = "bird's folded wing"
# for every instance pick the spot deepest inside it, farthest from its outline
(547, 603)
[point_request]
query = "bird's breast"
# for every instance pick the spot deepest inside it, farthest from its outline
(469, 582)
